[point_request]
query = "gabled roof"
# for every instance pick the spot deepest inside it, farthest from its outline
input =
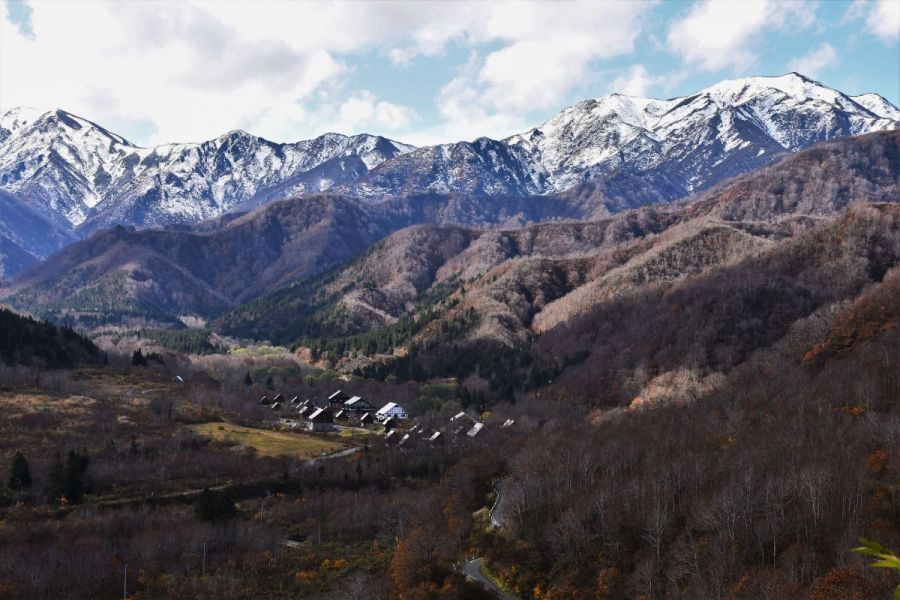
(337, 394)
(317, 413)
(476, 429)
(404, 439)
(507, 423)
(387, 407)
(458, 416)
(434, 436)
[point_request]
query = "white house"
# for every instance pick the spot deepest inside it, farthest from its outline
(391, 409)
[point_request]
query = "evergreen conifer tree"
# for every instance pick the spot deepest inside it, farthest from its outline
(19, 473)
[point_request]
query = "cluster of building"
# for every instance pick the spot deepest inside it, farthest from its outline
(339, 408)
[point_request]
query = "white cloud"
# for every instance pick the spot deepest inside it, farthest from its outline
(545, 48)
(882, 17)
(635, 82)
(364, 110)
(814, 61)
(545, 51)
(191, 70)
(716, 34)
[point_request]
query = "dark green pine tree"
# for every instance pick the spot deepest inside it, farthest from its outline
(19, 473)
(248, 381)
(212, 505)
(73, 478)
(137, 359)
(56, 477)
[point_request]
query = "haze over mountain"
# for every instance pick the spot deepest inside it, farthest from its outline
(85, 178)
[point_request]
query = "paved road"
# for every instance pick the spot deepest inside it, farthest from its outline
(497, 511)
(472, 570)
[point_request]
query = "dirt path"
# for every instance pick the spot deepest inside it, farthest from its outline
(184, 494)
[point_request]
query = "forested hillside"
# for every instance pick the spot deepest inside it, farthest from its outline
(425, 300)
(26, 341)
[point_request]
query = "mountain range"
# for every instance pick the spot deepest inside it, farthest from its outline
(619, 152)
(288, 270)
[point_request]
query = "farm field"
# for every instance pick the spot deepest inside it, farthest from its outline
(268, 443)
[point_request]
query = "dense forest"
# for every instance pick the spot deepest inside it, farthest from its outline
(26, 341)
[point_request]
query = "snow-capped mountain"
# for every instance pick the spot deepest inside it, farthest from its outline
(690, 142)
(485, 166)
(76, 172)
(82, 176)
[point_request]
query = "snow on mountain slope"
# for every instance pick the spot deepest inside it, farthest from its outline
(686, 144)
(13, 120)
(78, 173)
(728, 128)
(81, 175)
(878, 106)
(485, 166)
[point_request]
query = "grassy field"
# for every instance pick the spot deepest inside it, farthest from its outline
(268, 443)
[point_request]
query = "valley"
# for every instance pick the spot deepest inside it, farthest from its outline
(647, 349)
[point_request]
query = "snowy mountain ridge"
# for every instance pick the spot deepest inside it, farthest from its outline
(682, 144)
(694, 134)
(82, 176)
(76, 172)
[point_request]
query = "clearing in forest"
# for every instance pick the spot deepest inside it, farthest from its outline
(268, 443)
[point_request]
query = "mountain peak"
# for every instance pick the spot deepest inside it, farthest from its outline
(878, 105)
(19, 116)
(793, 84)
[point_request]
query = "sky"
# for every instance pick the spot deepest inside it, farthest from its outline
(420, 72)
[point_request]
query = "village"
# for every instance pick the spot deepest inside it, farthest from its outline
(341, 412)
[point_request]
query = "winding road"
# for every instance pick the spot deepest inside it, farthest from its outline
(472, 570)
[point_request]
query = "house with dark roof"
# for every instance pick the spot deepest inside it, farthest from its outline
(339, 397)
(321, 419)
(358, 406)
